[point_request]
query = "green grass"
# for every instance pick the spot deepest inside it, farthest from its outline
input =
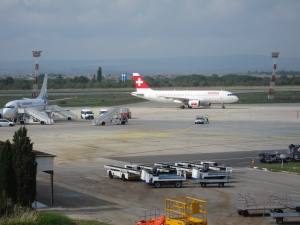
(261, 97)
(45, 218)
(276, 167)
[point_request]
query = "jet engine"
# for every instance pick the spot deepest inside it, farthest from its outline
(205, 104)
(197, 103)
(193, 103)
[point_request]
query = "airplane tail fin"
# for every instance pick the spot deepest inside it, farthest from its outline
(139, 82)
(43, 93)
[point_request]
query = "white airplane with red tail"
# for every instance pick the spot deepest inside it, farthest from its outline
(188, 98)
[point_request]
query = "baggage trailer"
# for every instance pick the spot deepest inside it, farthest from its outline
(184, 171)
(206, 178)
(162, 179)
(248, 204)
(122, 173)
(280, 216)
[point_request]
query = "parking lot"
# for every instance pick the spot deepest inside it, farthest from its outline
(164, 133)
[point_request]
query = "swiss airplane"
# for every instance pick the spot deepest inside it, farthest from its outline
(188, 98)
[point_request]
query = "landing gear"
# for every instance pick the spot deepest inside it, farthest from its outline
(223, 106)
(182, 107)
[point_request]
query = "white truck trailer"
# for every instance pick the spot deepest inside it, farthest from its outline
(162, 179)
(122, 172)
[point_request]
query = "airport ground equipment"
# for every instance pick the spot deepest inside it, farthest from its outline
(159, 179)
(201, 120)
(31, 115)
(87, 114)
(185, 211)
(207, 178)
(45, 116)
(61, 112)
(111, 117)
(122, 172)
(247, 204)
(269, 157)
(281, 215)
(125, 112)
(294, 152)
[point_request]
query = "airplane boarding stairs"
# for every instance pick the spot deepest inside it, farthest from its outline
(34, 115)
(61, 111)
(106, 118)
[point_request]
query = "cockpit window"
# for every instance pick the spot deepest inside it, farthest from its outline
(230, 94)
(10, 107)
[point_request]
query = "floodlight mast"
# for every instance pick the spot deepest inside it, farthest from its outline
(36, 54)
(275, 56)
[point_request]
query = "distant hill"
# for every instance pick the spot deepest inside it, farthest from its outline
(171, 65)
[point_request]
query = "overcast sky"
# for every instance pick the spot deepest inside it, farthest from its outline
(117, 29)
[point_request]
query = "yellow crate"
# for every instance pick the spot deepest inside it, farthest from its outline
(185, 210)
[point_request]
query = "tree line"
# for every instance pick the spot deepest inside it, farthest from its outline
(17, 173)
(60, 81)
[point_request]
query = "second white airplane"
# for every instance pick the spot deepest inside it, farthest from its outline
(188, 98)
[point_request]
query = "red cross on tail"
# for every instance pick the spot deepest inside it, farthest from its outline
(139, 81)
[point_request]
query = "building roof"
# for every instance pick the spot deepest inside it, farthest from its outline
(42, 154)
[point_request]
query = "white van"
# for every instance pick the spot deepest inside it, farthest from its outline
(87, 114)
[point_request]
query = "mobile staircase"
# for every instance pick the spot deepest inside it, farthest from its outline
(112, 116)
(31, 115)
(64, 113)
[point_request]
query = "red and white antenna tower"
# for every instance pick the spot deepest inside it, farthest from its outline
(36, 54)
(275, 56)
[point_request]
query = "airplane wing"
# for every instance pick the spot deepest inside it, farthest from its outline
(175, 99)
(59, 99)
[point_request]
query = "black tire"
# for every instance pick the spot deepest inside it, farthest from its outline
(157, 184)
(42, 122)
(123, 177)
(69, 118)
(245, 213)
(178, 184)
(110, 175)
(103, 123)
(182, 107)
(279, 220)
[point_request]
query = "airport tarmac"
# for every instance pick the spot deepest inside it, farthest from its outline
(164, 133)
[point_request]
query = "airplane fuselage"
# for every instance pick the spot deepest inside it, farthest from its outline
(211, 96)
(10, 110)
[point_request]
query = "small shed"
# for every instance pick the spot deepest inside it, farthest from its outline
(45, 164)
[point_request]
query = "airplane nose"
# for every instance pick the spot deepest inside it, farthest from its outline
(7, 113)
(236, 98)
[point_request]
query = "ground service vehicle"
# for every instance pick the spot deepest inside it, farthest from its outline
(218, 178)
(201, 120)
(87, 114)
(294, 152)
(269, 157)
(125, 112)
(162, 179)
(122, 172)
(6, 123)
